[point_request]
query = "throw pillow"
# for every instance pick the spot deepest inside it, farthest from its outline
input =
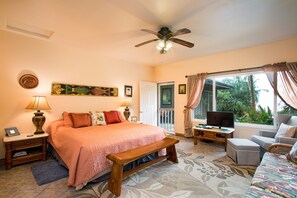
(285, 131)
(111, 117)
(67, 119)
(292, 155)
(81, 119)
(98, 118)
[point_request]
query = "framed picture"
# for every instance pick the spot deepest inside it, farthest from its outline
(128, 91)
(13, 131)
(133, 118)
(182, 88)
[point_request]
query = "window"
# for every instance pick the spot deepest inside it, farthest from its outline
(250, 96)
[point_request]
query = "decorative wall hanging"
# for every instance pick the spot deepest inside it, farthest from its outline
(182, 88)
(128, 91)
(82, 90)
(28, 81)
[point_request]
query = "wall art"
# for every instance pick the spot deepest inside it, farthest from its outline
(182, 89)
(82, 90)
(128, 91)
(28, 81)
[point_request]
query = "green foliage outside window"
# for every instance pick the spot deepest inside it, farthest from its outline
(242, 99)
(288, 110)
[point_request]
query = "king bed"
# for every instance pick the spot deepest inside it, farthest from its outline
(83, 150)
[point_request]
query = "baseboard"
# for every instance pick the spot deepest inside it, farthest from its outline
(180, 134)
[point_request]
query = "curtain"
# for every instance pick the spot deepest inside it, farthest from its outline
(195, 86)
(283, 79)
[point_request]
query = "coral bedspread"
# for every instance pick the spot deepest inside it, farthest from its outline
(84, 149)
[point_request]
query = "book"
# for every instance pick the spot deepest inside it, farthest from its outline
(20, 153)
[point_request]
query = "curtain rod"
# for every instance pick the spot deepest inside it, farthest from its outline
(234, 70)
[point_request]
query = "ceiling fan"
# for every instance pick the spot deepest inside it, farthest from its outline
(165, 37)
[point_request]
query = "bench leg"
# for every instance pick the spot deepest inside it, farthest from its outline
(171, 152)
(115, 180)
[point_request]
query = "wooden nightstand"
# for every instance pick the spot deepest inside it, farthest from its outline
(34, 148)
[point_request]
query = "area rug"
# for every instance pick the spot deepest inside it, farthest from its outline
(191, 177)
(48, 171)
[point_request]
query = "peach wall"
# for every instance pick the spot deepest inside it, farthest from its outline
(244, 58)
(51, 62)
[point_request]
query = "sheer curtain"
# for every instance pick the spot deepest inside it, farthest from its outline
(195, 84)
(283, 79)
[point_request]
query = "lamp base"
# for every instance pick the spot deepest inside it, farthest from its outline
(38, 132)
(127, 113)
(38, 120)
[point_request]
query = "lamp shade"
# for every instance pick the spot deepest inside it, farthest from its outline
(38, 103)
(126, 102)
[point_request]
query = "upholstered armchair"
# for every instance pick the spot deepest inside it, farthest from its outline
(267, 138)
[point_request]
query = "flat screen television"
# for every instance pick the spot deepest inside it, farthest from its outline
(220, 119)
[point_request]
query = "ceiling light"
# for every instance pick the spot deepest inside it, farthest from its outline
(164, 46)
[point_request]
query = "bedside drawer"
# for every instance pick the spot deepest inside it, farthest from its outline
(26, 143)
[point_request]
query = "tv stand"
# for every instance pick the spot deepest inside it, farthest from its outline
(214, 134)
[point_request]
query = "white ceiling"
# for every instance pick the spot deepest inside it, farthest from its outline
(112, 27)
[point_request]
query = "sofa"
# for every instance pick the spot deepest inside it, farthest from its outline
(267, 138)
(276, 176)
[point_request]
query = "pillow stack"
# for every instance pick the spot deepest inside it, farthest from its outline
(93, 118)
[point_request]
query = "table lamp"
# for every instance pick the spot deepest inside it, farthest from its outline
(126, 103)
(38, 103)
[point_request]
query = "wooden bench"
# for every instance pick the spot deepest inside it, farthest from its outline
(120, 159)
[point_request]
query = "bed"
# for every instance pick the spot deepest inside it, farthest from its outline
(84, 150)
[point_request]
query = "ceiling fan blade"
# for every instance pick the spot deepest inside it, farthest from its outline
(181, 31)
(146, 42)
(182, 42)
(151, 32)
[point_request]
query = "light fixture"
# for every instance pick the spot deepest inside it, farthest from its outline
(38, 103)
(164, 46)
(126, 103)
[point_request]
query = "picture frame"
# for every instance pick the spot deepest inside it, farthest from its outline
(128, 90)
(12, 131)
(182, 89)
(133, 118)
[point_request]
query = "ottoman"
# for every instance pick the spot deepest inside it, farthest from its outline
(243, 151)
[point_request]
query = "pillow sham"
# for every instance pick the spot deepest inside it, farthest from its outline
(292, 155)
(98, 118)
(285, 131)
(111, 117)
(67, 119)
(81, 119)
(121, 117)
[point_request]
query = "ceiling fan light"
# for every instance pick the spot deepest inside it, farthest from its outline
(159, 48)
(161, 44)
(168, 45)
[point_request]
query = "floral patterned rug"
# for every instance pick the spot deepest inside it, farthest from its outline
(194, 176)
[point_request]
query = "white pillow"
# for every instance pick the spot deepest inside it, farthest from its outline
(97, 118)
(285, 131)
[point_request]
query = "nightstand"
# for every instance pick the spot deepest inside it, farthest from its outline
(22, 149)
